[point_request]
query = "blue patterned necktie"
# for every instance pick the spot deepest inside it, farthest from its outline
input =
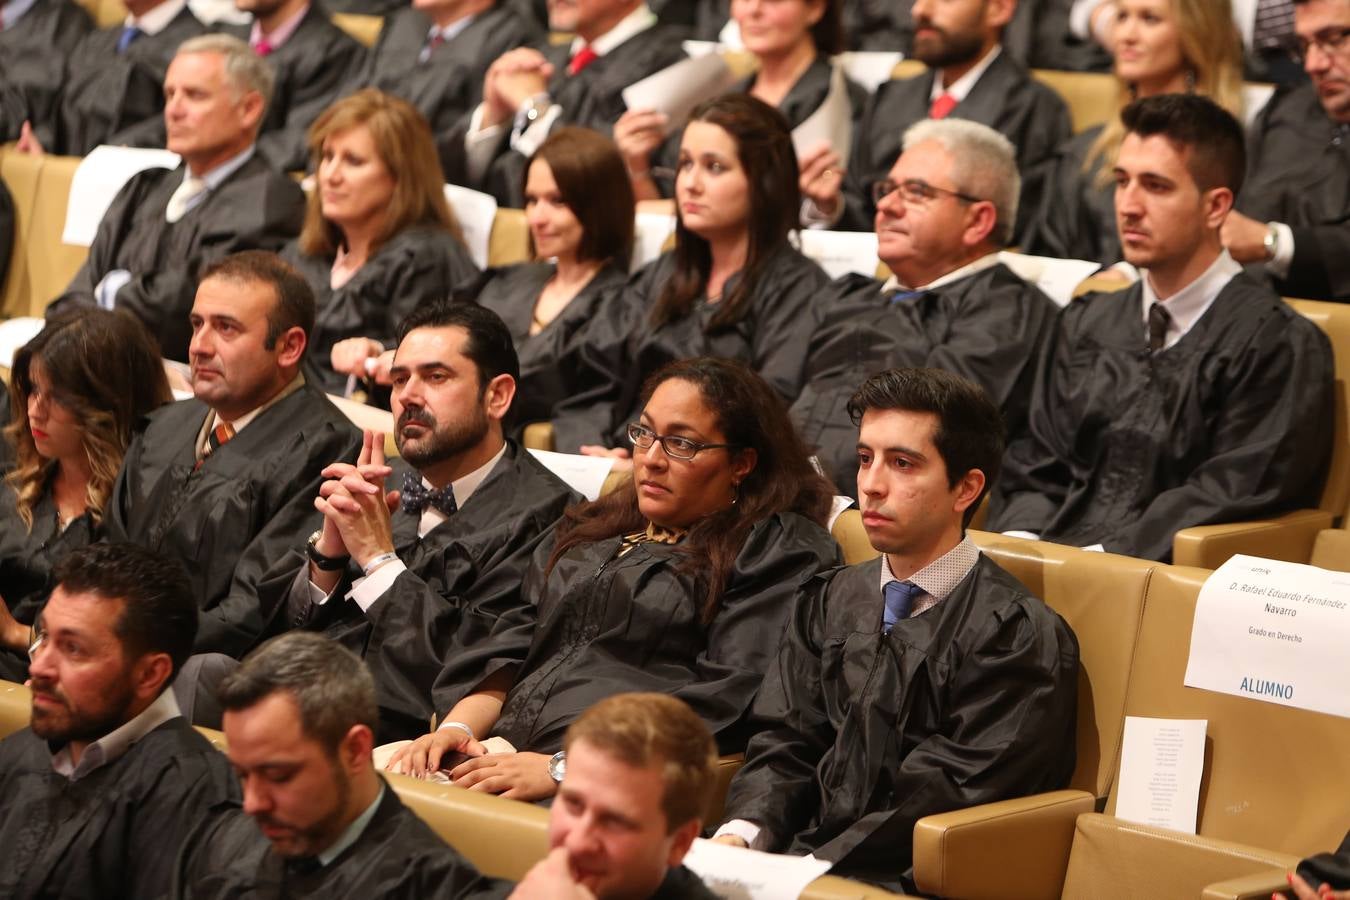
(129, 34)
(899, 600)
(416, 497)
(903, 296)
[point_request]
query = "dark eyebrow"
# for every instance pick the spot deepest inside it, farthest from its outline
(895, 451)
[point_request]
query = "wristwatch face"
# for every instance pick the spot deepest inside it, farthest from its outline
(557, 766)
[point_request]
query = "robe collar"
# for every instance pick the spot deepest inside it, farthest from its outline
(1189, 304)
(115, 744)
(353, 832)
(243, 421)
(939, 578)
(971, 268)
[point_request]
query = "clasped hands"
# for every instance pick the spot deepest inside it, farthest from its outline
(356, 509)
(513, 78)
(518, 776)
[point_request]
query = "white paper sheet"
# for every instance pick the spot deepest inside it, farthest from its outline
(869, 68)
(841, 252)
(1161, 761)
(677, 89)
(738, 874)
(475, 213)
(583, 474)
(97, 180)
(1058, 278)
(14, 333)
(652, 231)
(837, 507)
(701, 48)
(1274, 631)
(364, 416)
(831, 123)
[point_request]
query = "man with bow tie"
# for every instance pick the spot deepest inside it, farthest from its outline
(409, 578)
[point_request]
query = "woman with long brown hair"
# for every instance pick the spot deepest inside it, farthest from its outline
(77, 391)
(679, 582)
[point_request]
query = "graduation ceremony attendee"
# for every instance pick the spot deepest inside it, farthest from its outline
(37, 38)
(638, 774)
(970, 76)
(435, 54)
(946, 210)
(166, 225)
(531, 90)
(77, 392)
(112, 90)
(311, 59)
(379, 238)
(1162, 47)
(225, 482)
(732, 287)
(109, 777)
(923, 681)
(1194, 397)
(792, 42)
(1294, 211)
(414, 589)
(303, 707)
(679, 582)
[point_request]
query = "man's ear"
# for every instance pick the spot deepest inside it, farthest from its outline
(251, 109)
(998, 13)
(291, 346)
(1218, 203)
(981, 218)
(151, 673)
(682, 840)
(355, 750)
(968, 490)
(498, 395)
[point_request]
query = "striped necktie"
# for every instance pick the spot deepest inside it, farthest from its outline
(221, 434)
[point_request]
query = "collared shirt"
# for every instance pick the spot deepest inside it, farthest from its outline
(966, 83)
(937, 579)
(243, 421)
(446, 33)
(279, 35)
(115, 744)
(1187, 305)
(353, 832)
(970, 268)
(157, 19)
(13, 11)
(369, 588)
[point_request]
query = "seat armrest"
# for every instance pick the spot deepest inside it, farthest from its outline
(538, 436)
(1288, 537)
(1249, 887)
(977, 852)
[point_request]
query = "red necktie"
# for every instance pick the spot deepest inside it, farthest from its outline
(941, 106)
(263, 48)
(581, 59)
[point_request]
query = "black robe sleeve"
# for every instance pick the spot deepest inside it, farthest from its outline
(6, 230)
(1328, 868)
(34, 53)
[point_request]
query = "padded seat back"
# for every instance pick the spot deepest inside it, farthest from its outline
(1117, 860)
(16, 707)
(1334, 320)
(364, 29)
(1331, 550)
(21, 174)
(1275, 776)
(1090, 96)
(851, 537)
(1101, 597)
(509, 242)
(51, 263)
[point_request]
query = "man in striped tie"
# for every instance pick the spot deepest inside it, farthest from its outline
(922, 681)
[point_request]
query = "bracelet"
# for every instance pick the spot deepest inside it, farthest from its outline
(459, 725)
(378, 561)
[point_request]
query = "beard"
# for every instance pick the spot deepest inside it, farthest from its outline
(441, 442)
(312, 839)
(70, 724)
(946, 49)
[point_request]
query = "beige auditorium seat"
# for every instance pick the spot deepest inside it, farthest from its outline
(365, 29)
(51, 263)
(509, 242)
(16, 704)
(538, 436)
(21, 174)
(1090, 96)
(107, 13)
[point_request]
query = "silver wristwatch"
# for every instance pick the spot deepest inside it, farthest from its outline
(557, 766)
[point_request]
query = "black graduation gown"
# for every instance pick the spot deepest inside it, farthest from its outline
(601, 625)
(622, 349)
(550, 361)
(6, 230)
(1006, 98)
(230, 520)
(114, 832)
(1124, 447)
(112, 98)
(1298, 173)
(34, 53)
(27, 559)
(866, 732)
(310, 68)
(1068, 214)
(416, 266)
(256, 208)
(449, 84)
(988, 327)
(592, 98)
(13, 109)
(397, 857)
(1331, 868)
(462, 579)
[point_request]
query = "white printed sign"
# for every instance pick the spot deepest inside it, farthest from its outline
(1274, 631)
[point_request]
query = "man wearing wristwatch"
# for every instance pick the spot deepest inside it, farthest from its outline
(1295, 209)
(411, 577)
(529, 90)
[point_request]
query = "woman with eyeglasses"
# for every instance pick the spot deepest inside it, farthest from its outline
(1160, 47)
(76, 393)
(733, 286)
(679, 582)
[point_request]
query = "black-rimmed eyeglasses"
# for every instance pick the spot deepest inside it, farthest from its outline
(676, 447)
(1331, 41)
(915, 191)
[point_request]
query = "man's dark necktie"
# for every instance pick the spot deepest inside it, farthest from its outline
(899, 597)
(1158, 320)
(416, 497)
(129, 34)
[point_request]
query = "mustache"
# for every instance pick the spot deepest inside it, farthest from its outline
(417, 415)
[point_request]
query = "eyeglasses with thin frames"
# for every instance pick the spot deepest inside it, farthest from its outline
(1331, 41)
(915, 191)
(676, 447)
